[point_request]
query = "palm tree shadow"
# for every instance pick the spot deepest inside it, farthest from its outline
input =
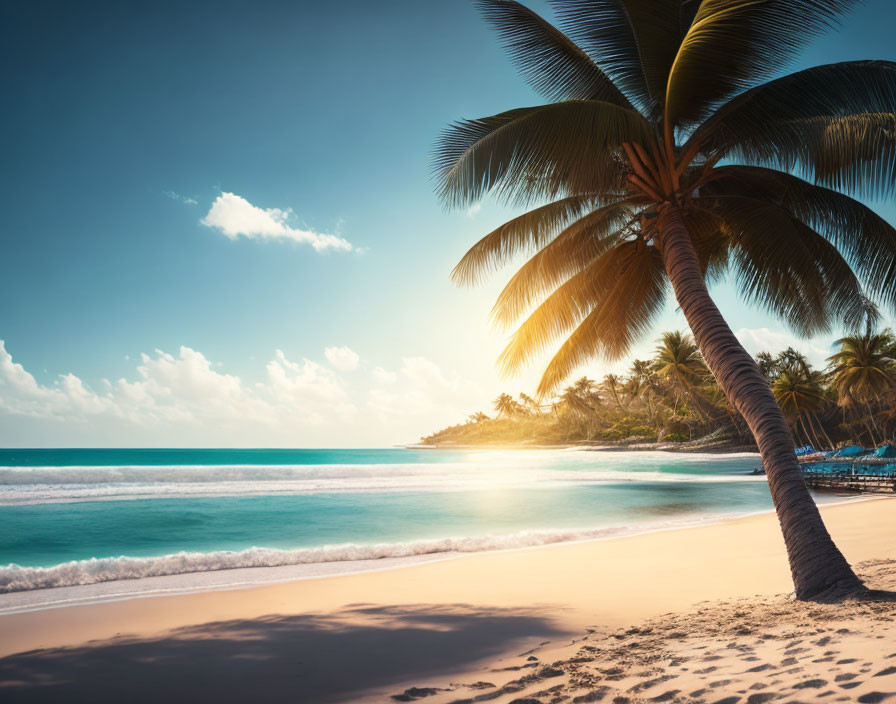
(879, 595)
(298, 658)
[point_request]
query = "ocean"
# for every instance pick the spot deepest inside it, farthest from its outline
(93, 516)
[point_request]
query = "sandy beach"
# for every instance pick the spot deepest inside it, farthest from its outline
(554, 624)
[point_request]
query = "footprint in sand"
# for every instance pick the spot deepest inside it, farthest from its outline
(888, 671)
(760, 698)
(595, 695)
(874, 697)
(415, 693)
(720, 683)
(810, 684)
(846, 677)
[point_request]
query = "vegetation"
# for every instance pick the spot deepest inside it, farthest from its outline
(672, 398)
(665, 155)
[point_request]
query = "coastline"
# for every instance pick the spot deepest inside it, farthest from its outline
(390, 557)
(690, 448)
(533, 594)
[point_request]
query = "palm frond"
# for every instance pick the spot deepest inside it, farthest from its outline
(635, 291)
(557, 149)
(834, 124)
(784, 265)
(580, 244)
(618, 283)
(634, 41)
(547, 59)
(866, 240)
(523, 234)
(733, 44)
(711, 242)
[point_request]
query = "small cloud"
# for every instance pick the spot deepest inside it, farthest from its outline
(186, 200)
(757, 340)
(381, 376)
(234, 217)
(474, 209)
(342, 358)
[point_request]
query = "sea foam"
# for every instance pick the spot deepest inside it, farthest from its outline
(34, 485)
(16, 578)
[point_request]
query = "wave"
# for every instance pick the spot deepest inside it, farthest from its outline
(16, 578)
(55, 485)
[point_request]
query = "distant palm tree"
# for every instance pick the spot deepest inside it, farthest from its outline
(800, 393)
(863, 372)
(530, 404)
(646, 386)
(478, 417)
(679, 362)
(664, 157)
(768, 365)
(613, 386)
(506, 406)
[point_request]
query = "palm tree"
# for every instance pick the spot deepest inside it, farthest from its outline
(506, 406)
(678, 361)
(613, 385)
(666, 155)
(530, 404)
(768, 365)
(800, 393)
(863, 371)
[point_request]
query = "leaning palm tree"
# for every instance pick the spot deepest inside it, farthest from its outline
(663, 156)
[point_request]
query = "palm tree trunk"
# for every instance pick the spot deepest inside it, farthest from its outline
(817, 566)
(823, 431)
(809, 436)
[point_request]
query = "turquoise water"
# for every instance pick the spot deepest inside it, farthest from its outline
(81, 516)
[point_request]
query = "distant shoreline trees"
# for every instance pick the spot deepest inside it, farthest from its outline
(672, 397)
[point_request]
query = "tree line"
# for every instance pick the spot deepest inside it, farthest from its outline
(673, 397)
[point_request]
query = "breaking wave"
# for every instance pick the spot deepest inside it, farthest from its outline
(16, 578)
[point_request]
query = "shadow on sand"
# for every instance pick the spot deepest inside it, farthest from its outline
(302, 658)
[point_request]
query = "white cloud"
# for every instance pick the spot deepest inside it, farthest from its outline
(381, 376)
(764, 340)
(186, 398)
(474, 209)
(186, 200)
(342, 358)
(236, 217)
(421, 389)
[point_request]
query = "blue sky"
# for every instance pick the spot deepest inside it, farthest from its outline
(124, 123)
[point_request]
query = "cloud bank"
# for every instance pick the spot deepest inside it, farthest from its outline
(235, 217)
(185, 398)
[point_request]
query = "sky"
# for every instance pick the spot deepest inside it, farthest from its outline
(219, 227)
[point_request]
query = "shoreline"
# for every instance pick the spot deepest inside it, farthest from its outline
(451, 562)
(595, 446)
(255, 575)
(455, 626)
